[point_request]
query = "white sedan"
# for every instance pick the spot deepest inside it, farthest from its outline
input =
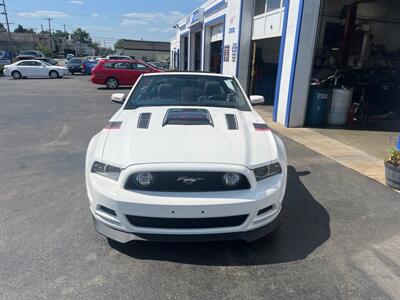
(186, 158)
(34, 68)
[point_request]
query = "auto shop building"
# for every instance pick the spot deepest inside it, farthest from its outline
(275, 47)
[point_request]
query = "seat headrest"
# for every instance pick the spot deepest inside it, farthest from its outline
(212, 88)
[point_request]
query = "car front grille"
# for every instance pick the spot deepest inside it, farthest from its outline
(187, 223)
(175, 182)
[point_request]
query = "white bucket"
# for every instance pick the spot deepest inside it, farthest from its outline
(340, 106)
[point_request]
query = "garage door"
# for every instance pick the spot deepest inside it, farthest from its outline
(217, 33)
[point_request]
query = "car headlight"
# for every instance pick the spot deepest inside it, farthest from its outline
(105, 170)
(231, 179)
(144, 179)
(267, 171)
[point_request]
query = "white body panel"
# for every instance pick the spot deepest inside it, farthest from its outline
(180, 148)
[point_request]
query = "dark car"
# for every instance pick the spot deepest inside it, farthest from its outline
(74, 65)
(114, 73)
(30, 54)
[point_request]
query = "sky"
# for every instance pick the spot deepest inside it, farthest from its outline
(105, 20)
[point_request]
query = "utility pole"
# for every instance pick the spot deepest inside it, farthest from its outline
(8, 23)
(51, 44)
(64, 25)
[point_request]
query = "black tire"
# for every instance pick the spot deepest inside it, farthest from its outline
(72, 73)
(54, 74)
(16, 75)
(112, 83)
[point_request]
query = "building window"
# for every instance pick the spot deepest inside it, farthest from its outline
(259, 8)
(273, 4)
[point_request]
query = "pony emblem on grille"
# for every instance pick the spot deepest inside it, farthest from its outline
(189, 180)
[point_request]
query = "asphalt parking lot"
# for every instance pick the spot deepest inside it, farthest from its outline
(339, 232)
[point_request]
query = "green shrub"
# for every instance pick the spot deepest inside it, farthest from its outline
(393, 157)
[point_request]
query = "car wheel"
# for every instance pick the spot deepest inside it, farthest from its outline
(72, 73)
(112, 83)
(53, 74)
(16, 75)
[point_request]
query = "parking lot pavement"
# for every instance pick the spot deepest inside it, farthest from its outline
(339, 232)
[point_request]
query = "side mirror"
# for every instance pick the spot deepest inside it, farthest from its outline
(256, 99)
(118, 98)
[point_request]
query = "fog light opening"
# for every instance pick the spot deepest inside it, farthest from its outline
(265, 210)
(107, 210)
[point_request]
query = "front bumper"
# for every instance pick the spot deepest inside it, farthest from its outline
(106, 193)
(124, 237)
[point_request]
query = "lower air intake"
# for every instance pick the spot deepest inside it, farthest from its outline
(187, 223)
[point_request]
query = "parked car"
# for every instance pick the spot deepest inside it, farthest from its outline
(48, 60)
(88, 65)
(30, 54)
(113, 57)
(74, 65)
(34, 68)
(114, 73)
(186, 158)
(69, 56)
(159, 65)
(5, 57)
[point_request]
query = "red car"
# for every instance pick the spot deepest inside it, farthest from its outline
(114, 73)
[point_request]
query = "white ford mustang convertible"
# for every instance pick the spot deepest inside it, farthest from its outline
(186, 158)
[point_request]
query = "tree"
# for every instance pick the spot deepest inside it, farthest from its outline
(46, 51)
(96, 46)
(82, 36)
(2, 28)
(61, 34)
(21, 29)
(118, 44)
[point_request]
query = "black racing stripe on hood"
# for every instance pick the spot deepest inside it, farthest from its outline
(144, 120)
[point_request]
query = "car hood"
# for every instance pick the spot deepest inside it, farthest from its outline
(129, 145)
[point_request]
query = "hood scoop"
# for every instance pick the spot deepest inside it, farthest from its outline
(231, 122)
(187, 116)
(144, 120)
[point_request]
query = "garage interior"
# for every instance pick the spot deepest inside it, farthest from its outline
(356, 67)
(216, 42)
(264, 68)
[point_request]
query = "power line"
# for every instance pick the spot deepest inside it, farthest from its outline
(8, 23)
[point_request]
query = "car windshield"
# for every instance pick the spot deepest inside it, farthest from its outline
(187, 90)
(75, 61)
(28, 53)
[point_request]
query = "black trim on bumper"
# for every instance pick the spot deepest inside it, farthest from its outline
(124, 237)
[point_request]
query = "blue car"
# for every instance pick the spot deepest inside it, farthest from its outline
(5, 57)
(88, 65)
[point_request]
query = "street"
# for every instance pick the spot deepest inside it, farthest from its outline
(338, 236)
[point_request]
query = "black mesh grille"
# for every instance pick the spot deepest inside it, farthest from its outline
(186, 223)
(179, 182)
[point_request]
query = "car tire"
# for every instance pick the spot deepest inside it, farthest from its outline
(72, 73)
(54, 74)
(16, 75)
(112, 83)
